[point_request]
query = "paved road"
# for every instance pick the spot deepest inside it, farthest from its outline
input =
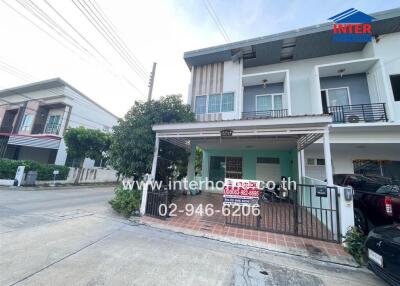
(72, 237)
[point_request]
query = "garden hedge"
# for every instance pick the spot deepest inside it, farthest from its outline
(45, 171)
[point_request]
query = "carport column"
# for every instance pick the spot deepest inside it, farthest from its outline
(191, 163)
(299, 167)
(303, 166)
(150, 178)
(328, 159)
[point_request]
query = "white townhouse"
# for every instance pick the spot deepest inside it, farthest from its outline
(295, 104)
(34, 118)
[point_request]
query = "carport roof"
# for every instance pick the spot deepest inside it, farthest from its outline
(308, 42)
(304, 129)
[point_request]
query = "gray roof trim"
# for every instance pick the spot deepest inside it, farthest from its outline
(46, 84)
(382, 15)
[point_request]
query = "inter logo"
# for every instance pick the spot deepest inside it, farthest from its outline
(352, 26)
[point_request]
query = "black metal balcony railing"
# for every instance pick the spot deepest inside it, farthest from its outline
(374, 112)
(263, 114)
(50, 128)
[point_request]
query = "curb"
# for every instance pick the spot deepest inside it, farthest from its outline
(349, 262)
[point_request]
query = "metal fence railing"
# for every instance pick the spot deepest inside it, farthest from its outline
(157, 203)
(263, 114)
(374, 112)
(310, 211)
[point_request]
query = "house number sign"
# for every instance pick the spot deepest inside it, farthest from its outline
(226, 133)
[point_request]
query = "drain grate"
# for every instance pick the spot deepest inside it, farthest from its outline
(263, 272)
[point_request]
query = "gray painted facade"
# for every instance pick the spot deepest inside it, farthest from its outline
(250, 92)
(357, 84)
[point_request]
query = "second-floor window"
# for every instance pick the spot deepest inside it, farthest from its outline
(26, 122)
(52, 126)
(215, 103)
(269, 102)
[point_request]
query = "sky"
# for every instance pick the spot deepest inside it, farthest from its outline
(154, 31)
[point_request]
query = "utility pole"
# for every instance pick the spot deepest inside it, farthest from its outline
(151, 81)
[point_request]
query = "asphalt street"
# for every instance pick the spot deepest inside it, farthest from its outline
(73, 237)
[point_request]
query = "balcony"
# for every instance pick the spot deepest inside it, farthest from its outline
(48, 128)
(265, 114)
(374, 112)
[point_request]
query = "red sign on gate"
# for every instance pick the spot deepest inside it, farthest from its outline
(242, 192)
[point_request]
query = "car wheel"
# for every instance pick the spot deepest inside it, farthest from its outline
(360, 221)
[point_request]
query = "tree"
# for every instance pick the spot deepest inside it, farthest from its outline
(132, 146)
(86, 143)
(198, 161)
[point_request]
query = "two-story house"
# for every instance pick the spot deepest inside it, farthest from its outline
(34, 118)
(295, 104)
(282, 94)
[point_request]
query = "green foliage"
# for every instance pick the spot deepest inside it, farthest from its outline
(132, 147)
(355, 244)
(86, 143)
(198, 160)
(45, 171)
(126, 201)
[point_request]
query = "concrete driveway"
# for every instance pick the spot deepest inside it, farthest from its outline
(72, 237)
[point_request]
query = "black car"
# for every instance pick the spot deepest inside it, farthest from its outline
(383, 246)
(376, 200)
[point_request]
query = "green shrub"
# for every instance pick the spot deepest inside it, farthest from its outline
(126, 201)
(45, 171)
(355, 244)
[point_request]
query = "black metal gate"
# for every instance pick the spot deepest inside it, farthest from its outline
(309, 211)
(157, 203)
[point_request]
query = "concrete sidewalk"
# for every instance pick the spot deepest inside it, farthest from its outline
(74, 238)
(280, 243)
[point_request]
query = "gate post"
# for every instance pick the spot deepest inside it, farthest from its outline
(148, 179)
(295, 211)
(328, 159)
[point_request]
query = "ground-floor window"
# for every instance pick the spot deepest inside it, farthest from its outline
(385, 168)
(222, 167)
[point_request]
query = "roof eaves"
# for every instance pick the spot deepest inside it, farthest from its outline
(279, 36)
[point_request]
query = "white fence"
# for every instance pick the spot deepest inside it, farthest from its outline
(88, 175)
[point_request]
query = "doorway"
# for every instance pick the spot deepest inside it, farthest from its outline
(268, 169)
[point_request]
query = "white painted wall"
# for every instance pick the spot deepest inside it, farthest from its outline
(302, 84)
(232, 83)
(387, 49)
(343, 158)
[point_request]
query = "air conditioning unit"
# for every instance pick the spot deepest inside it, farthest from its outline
(353, 118)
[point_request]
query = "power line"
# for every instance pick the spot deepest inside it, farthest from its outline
(18, 73)
(97, 24)
(60, 34)
(30, 98)
(216, 20)
(76, 31)
(44, 18)
(101, 13)
(40, 28)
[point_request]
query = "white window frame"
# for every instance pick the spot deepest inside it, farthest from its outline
(315, 161)
(220, 102)
(273, 100)
(24, 127)
(195, 101)
(333, 88)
